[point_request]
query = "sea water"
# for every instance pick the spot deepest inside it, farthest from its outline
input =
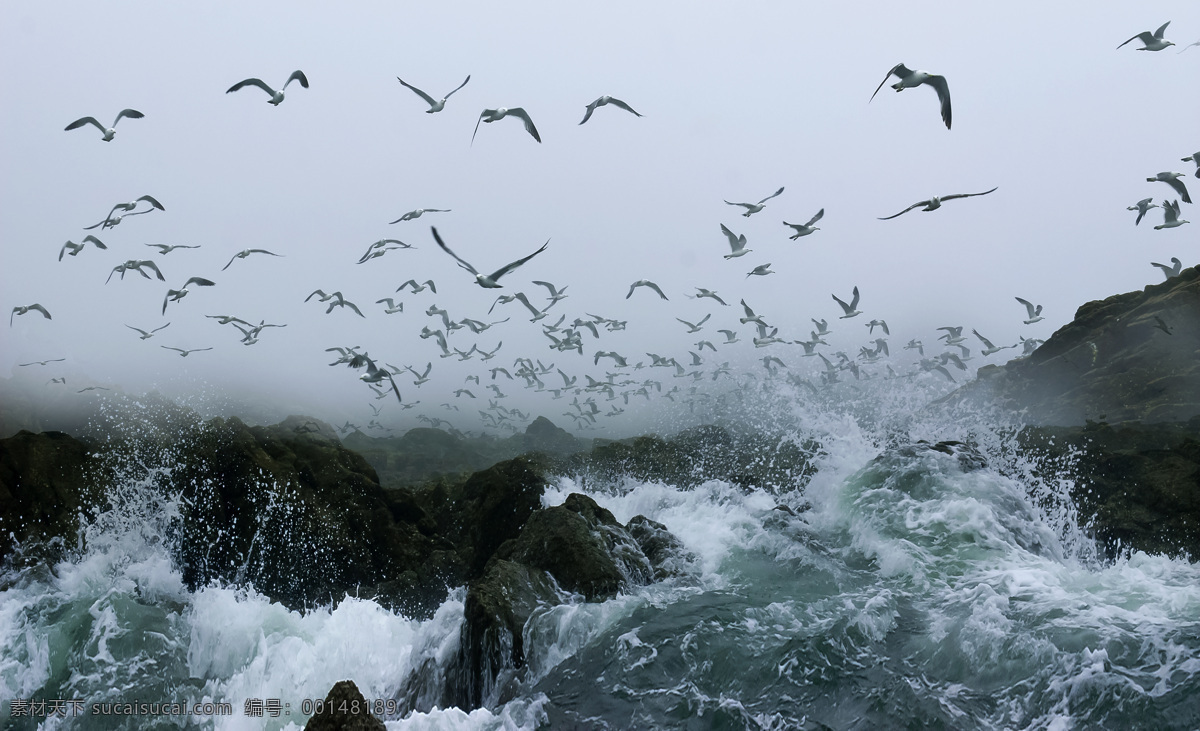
(902, 587)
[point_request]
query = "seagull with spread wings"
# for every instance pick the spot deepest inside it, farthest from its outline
(909, 79)
(1152, 41)
(752, 208)
(276, 96)
(495, 115)
(804, 229)
(434, 106)
(607, 100)
(935, 202)
(488, 281)
(109, 132)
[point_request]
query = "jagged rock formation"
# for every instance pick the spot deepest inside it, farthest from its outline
(344, 709)
(1133, 356)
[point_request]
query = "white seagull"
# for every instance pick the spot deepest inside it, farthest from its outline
(247, 252)
(761, 270)
(909, 79)
(752, 208)
(184, 353)
(168, 248)
(494, 115)
(607, 100)
(1035, 313)
(850, 309)
(276, 96)
(1169, 271)
(988, 347)
(935, 202)
(146, 335)
(737, 244)
(1173, 180)
(1171, 217)
(19, 310)
(489, 281)
(109, 132)
(434, 106)
(174, 295)
(804, 229)
(1152, 41)
(76, 248)
(418, 213)
(645, 283)
(1141, 207)
(1195, 156)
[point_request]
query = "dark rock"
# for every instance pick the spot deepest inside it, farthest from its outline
(344, 709)
(1113, 363)
(1136, 486)
(492, 507)
(665, 552)
(543, 436)
(44, 487)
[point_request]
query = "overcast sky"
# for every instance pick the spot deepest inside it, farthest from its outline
(737, 101)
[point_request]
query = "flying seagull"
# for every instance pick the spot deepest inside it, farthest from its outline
(1169, 271)
(988, 347)
(247, 252)
(168, 248)
(936, 202)
(418, 213)
(1195, 156)
(494, 115)
(850, 309)
(1152, 41)
(276, 96)
(737, 244)
(486, 281)
(184, 353)
(41, 362)
(909, 78)
(1173, 180)
(1035, 313)
(695, 328)
(76, 248)
(109, 132)
(19, 310)
(752, 208)
(702, 292)
(146, 335)
(392, 307)
(1171, 217)
(427, 284)
(761, 270)
(1141, 207)
(126, 210)
(434, 106)
(804, 229)
(607, 100)
(174, 295)
(645, 283)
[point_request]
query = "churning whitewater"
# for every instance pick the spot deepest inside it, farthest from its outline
(906, 584)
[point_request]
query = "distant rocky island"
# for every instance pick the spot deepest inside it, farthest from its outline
(1111, 400)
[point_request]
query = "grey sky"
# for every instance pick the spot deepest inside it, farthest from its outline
(737, 102)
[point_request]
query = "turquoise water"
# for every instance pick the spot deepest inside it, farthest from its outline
(905, 588)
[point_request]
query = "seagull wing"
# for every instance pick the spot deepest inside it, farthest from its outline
(854, 299)
(943, 92)
(152, 201)
(764, 200)
(464, 83)
(82, 121)
(199, 281)
(1146, 36)
(816, 218)
(168, 347)
(135, 114)
(899, 70)
(967, 195)
(655, 287)
(323, 295)
(622, 105)
(1180, 188)
(520, 297)
(1162, 29)
(235, 256)
(297, 75)
(736, 243)
(631, 288)
(461, 262)
(42, 310)
(152, 265)
(906, 210)
(590, 108)
(94, 240)
(428, 99)
(519, 112)
(264, 251)
(157, 328)
(987, 343)
(251, 82)
(513, 265)
(1028, 306)
(482, 114)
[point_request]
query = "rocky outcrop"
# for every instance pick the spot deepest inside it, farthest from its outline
(1133, 356)
(344, 709)
(543, 436)
(1136, 486)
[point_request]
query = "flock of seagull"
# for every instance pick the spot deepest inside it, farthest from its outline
(685, 379)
